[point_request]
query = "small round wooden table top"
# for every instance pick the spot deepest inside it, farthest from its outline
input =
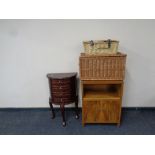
(61, 75)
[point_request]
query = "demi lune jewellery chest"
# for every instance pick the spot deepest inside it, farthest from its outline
(63, 91)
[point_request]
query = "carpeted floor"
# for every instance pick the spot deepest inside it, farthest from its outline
(38, 122)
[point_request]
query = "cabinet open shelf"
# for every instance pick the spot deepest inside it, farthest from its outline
(98, 94)
(102, 91)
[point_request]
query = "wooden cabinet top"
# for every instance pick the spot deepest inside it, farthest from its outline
(61, 75)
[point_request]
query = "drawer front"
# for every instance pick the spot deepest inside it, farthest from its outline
(101, 111)
(63, 85)
(61, 82)
(62, 94)
(62, 100)
(61, 88)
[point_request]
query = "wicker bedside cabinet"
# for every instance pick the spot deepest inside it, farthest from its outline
(102, 79)
(63, 90)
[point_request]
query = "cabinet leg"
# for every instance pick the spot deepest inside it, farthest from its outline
(83, 120)
(76, 109)
(51, 106)
(63, 114)
(118, 124)
(83, 124)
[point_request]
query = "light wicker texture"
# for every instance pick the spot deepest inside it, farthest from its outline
(101, 47)
(102, 67)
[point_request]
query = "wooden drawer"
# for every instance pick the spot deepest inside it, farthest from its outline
(59, 100)
(101, 111)
(61, 81)
(61, 88)
(62, 94)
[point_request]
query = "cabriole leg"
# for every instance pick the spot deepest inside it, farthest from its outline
(63, 114)
(76, 108)
(51, 106)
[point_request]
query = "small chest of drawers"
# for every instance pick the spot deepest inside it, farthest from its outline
(63, 90)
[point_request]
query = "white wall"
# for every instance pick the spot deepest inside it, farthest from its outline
(29, 49)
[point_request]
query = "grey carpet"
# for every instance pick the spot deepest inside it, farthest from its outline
(38, 122)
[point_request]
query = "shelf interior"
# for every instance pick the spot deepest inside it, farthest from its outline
(98, 91)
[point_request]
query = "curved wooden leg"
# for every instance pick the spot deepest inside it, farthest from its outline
(63, 114)
(51, 106)
(76, 108)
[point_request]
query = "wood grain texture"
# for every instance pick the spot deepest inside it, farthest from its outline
(101, 102)
(101, 111)
(63, 88)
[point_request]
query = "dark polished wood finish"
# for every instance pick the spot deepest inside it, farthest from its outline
(63, 90)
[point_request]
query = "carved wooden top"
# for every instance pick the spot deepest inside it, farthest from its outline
(61, 75)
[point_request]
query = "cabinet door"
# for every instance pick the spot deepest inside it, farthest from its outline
(90, 111)
(111, 111)
(101, 111)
